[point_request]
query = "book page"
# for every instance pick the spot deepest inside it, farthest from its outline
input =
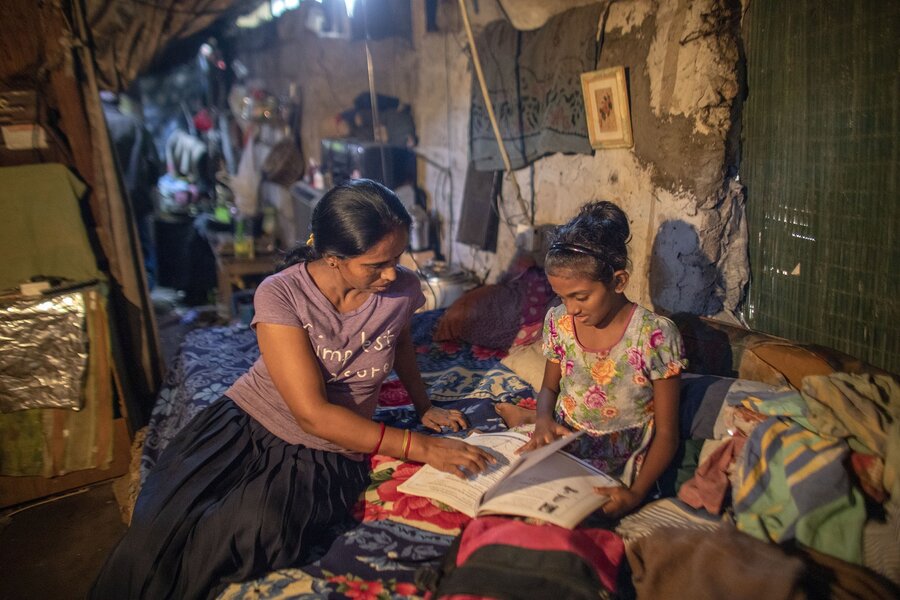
(559, 490)
(464, 495)
(533, 457)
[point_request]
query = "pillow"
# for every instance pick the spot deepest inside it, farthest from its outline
(499, 315)
(527, 362)
(485, 316)
(724, 349)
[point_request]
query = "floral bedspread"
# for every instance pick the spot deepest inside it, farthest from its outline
(395, 534)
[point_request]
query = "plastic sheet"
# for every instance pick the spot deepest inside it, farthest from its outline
(43, 363)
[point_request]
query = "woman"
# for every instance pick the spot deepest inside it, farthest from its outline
(255, 480)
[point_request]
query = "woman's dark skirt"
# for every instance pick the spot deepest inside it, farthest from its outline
(227, 501)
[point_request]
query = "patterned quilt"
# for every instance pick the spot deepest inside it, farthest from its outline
(395, 534)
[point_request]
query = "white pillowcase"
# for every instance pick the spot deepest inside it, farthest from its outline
(528, 363)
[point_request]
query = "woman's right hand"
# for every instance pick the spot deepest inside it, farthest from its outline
(545, 431)
(452, 456)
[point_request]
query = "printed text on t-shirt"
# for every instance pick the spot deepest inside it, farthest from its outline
(342, 356)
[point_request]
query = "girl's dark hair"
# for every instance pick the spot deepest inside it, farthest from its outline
(593, 243)
(348, 220)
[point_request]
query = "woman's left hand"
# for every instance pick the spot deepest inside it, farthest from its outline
(435, 418)
(622, 500)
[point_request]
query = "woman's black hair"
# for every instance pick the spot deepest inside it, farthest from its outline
(593, 243)
(348, 220)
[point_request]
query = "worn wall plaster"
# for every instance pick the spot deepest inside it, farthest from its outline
(687, 220)
(629, 15)
(688, 247)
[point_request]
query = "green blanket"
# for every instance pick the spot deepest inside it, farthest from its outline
(41, 230)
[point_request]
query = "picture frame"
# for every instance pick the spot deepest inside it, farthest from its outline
(606, 108)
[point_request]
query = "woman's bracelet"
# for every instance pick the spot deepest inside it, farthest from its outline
(380, 439)
(407, 440)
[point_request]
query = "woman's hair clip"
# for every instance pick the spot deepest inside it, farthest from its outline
(578, 248)
(311, 240)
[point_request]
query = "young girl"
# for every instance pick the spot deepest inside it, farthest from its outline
(612, 366)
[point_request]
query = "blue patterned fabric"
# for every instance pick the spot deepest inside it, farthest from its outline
(207, 363)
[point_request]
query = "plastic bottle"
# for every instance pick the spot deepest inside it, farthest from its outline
(243, 239)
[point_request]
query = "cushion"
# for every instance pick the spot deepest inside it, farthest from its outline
(781, 363)
(719, 348)
(499, 315)
(537, 298)
(485, 316)
(527, 362)
(528, 334)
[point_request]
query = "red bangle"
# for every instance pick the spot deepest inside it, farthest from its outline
(380, 439)
(407, 445)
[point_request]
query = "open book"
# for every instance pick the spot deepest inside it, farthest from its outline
(546, 483)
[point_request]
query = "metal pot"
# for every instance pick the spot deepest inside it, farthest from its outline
(443, 284)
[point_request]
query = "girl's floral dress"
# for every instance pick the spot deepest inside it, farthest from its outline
(610, 394)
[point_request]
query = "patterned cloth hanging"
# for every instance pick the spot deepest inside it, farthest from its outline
(534, 81)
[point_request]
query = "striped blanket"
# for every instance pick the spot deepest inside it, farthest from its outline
(790, 482)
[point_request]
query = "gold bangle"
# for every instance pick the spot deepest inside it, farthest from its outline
(407, 438)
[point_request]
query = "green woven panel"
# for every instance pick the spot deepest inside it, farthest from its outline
(821, 154)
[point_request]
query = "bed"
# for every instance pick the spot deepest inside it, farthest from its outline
(395, 535)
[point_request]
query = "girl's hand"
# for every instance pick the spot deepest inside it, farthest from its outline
(622, 500)
(453, 456)
(545, 431)
(435, 418)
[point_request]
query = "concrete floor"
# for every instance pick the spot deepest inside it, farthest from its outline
(53, 549)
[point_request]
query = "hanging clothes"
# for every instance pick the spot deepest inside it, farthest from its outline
(534, 82)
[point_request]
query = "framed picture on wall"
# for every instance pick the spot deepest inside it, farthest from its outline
(606, 108)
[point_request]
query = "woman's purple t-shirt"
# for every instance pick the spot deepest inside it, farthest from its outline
(355, 350)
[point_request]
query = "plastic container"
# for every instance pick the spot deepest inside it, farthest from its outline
(244, 241)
